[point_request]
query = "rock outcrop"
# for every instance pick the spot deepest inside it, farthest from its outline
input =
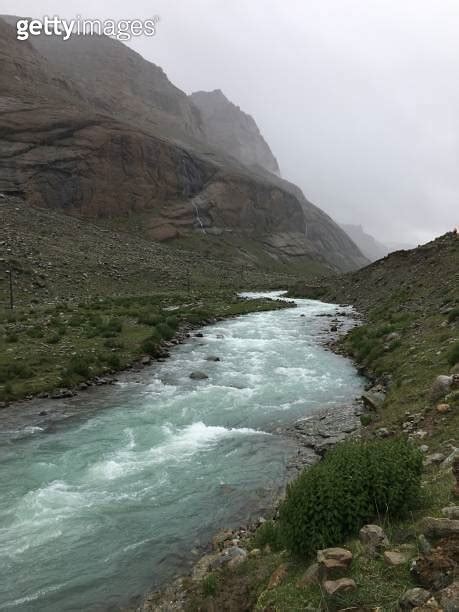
(229, 129)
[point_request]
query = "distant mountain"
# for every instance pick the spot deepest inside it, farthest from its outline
(400, 246)
(229, 129)
(89, 127)
(370, 247)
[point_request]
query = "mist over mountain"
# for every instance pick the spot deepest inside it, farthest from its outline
(93, 129)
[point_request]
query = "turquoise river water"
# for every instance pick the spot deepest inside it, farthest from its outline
(99, 507)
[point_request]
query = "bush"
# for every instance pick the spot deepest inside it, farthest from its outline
(165, 331)
(148, 319)
(356, 482)
(453, 354)
(151, 344)
(366, 419)
(11, 337)
(453, 315)
(268, 533)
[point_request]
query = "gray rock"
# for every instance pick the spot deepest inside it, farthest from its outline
(336, 587)
(373, 538)
(440, 386)
(449, 597)
(451, 512)
(434, 459)
(414, 598)
(373, 399)
(212, 358)
(231, 556)
(440, 527)
(197, 375)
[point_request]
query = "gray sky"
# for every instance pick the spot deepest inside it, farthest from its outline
(359, 99)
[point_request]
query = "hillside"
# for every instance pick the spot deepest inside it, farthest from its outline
(370, 247)
(89, 127)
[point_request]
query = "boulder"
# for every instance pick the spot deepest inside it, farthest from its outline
(219, 539)
(451, 512)
(373, 539)
(414, 598)
(337, 587)
(197, 375)
(373, 400)
(441, 386)
(333, 561)
(443, 408)
(212, 358)
(431, 605)
(395, 557)
(434, 459)
(231, 556)
(440, 527)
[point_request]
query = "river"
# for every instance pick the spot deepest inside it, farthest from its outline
(99, 507)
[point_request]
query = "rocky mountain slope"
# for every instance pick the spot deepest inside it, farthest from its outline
(89, 127)
(370, 247)
(229, 129)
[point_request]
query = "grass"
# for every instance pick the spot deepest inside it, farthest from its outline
(43, 348)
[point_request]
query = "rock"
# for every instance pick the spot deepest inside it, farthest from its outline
(333, 561)
(197, 375)
(443, 408)
(414, 598)
(311, 576)
(424, 545)
(383, 432)
(449, 597)
(212, 358)
(431, 605)
(334, 328)
(255, 552)
(434, 459)
(232, 557)
(373, 538)
(424, 448)
(203, 566)
(199, 335)
(392, 337)
(441, 386)
(394, 557)
(42, 413)
(440, 527)
(278, 576)
(62, 393)
(373, 400)
(336, 587)
(451, 512)
(146, 360)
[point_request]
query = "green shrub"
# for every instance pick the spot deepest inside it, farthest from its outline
(366, 419)
(12, 371)
(453, 354)
(268, 533)
(165, 331)
(11, 337)
(355, 483)
(148, 319)
(209, 585)
(172, 322)
(151, 344)
(54, 339)
(35, 332)
(453, 315)
(79, 366)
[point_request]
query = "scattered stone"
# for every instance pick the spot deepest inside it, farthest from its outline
(443, 408)
(202, 567)
(42, 413)
(440, 527)
(219, 539)
(383, 432)
(424, 448)
(62, 393)
(373, 539)
(433, 571)
(231, 556)
(414, 598)
(199, 335)
(334, 328)
(451, 512)
(336, 587)
(212, 358)
(197, 375)
(431, 605)
(394, 557)
(278, 576)
(311, 576)
(146, 360)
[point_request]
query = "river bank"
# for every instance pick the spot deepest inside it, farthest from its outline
(135, 452)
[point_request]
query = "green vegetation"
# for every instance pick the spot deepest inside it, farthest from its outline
(355, 483)
(64, 344)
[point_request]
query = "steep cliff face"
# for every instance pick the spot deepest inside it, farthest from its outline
(229, 129)
(130, 147)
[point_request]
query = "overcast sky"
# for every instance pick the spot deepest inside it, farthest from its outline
(358, 99)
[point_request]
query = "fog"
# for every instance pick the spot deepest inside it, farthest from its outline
(358, 99)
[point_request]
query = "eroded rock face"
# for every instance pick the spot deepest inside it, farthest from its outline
(90, 128)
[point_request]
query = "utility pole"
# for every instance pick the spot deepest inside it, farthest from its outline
(10, 274)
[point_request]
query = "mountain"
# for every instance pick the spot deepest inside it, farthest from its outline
(229, 129)
(370, 247)
(89, 127)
